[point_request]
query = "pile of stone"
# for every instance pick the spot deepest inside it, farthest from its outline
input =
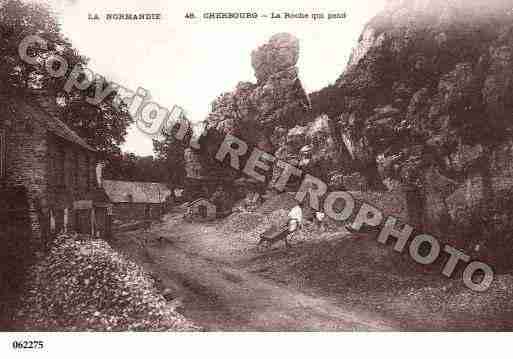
(86, 285)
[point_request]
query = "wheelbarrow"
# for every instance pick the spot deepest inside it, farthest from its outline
(275, 234)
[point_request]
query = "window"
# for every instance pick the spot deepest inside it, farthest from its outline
(3, 157)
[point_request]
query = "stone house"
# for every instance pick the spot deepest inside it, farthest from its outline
(201, 210)
(136, 200)
(48, 177)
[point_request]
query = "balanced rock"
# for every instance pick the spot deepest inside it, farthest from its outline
(280, 53)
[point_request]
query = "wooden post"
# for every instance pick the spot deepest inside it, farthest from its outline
(66, 220)
(52, 222)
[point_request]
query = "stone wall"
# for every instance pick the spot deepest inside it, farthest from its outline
(22, 199)
(45, 165)
(26, 166)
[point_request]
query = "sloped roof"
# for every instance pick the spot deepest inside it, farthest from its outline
(140, 192)
(20, 106)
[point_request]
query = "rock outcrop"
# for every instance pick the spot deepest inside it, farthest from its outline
(423, 107)
(427, 105)
(279, 54)
(252, 111)
(311, 148)
(256, 112)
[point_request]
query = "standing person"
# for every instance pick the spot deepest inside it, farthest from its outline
(108, 222)
(295, 222)
(320, 220)
(319, 217)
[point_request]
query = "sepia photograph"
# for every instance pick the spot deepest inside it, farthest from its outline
(254, 169)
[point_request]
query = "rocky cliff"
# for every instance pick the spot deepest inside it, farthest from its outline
(428, 104)
(424, 106)
(259, 113)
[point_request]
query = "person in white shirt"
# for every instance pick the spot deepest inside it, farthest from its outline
(295, 221)
(320, 220)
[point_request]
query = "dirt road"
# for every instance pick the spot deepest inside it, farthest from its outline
(219, 296)
(330, 281)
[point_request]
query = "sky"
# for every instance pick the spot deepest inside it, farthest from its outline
(190, 62)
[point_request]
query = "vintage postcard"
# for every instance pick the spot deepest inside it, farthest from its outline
(335, 166)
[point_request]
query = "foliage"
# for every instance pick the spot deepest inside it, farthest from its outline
(19, 19)
(103, 126)
(130, 167)
(170, 152)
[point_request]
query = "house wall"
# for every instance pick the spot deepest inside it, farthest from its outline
(34, 190)
(54, 172)
(22, 199)
(26, 166)
(71, 177)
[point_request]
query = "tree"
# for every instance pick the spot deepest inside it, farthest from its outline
(170, 152)
(19, 19)
(130, 167)
(104, 125)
